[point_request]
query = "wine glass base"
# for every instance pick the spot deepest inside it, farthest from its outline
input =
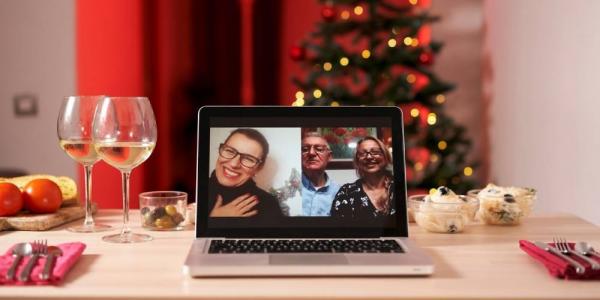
(127, 238)
(90, 228)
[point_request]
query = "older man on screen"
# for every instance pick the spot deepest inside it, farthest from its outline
(318, 189)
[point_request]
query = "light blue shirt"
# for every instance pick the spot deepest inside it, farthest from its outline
(317, 202)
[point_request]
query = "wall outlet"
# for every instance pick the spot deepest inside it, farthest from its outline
(26, 105)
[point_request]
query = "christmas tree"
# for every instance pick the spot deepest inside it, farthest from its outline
(377, 52)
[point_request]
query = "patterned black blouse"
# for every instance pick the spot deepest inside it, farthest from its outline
(351, 201)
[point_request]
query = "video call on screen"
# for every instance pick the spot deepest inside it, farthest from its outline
(293, 172)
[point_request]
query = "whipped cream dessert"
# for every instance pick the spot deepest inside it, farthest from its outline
(444, 211)
(504, 205)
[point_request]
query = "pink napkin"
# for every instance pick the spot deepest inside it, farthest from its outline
(71, 252)
(558, 267)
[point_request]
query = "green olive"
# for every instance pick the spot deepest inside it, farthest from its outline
(171, 210)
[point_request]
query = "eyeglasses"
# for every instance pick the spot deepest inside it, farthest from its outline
(319, 149)
(376, 153)
(246, 160)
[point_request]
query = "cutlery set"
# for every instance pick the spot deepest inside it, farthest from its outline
(565, 251)
(33, 250)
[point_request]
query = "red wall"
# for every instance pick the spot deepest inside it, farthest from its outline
(110, 62)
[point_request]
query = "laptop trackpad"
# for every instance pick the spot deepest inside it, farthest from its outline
(308, 259)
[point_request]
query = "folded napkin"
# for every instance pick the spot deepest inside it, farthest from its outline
(557, 266)
(63, 263)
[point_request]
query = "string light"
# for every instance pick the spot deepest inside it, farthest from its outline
(408, 41)
(431, 118)
(414, 112)
(365, 54)
(433, 158)
(327, 66)
(468, 171)
(413, 2)
(442, 145)
(440, 98)
(432, 191)
(411, 78)
(358, 10)
(418, 166)
(299, 95)
(392, 43)
(334, 103)
(344, 61)
(298, 102)
(317, 93)
(345, 15)
(414, 42)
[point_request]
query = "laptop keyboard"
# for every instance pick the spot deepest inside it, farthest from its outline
(304, 246)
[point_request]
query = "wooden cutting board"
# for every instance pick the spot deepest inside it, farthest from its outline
(41, 222)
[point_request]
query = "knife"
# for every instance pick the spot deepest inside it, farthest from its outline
(579, 269)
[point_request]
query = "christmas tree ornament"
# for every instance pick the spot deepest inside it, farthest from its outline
(298, 53)
(426, 58)
(328, 12)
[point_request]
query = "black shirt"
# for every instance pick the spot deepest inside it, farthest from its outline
(351, 201)
(268, 206)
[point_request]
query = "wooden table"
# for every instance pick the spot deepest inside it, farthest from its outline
(484, 262)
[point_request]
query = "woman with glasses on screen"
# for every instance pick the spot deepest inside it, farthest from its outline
(232, 191)
(372, 195)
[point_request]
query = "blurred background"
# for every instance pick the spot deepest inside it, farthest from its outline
(516, 81)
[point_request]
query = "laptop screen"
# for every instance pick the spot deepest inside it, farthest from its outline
(301, 172)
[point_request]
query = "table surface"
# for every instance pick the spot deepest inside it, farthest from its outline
(484, 262)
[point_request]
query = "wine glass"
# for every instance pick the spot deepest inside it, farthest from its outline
(124, 134)
(74, 127)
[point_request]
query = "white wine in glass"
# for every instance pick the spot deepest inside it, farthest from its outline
(124, 135)
(74, 128)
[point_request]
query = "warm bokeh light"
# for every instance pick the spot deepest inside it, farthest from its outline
(414, 42)
(418, 166)
(440, 98)
(334, 103)
(392, 43)
(358, 10)
(299, 95)
(433, 158)
(468, 171)
(432, 191)
(414, 112)
(327, 66)
(344, 61)
(408, 41)
(411, 78)
(431, 118)
(442, 145)
(345, 15)
(365, 54)
(413, 2)
(317, 93)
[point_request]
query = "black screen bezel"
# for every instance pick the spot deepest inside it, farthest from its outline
(202, 172)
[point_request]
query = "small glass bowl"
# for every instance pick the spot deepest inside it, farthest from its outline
(163, 210)
(496, 210)
(440, 217)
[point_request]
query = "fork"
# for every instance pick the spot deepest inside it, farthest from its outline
(565, 248)
(39, 248)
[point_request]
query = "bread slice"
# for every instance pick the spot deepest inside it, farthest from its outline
(67, 185)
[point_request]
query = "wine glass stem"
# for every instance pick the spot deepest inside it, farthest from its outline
(125, 176)
(89, 219)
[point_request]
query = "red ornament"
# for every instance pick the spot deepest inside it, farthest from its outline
(297, 53)
(426, 58)
(328, 13)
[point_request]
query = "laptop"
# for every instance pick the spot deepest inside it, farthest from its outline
(302, 191)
